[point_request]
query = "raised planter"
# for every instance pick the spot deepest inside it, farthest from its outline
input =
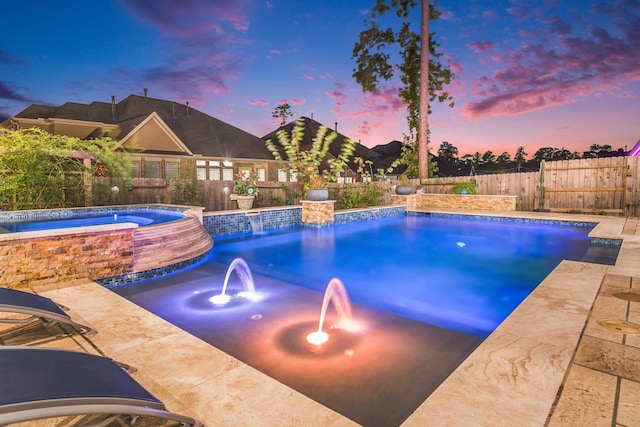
(245, 202)
(317, 194)
(404, 190)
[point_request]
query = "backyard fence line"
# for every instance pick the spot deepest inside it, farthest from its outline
(603, 185)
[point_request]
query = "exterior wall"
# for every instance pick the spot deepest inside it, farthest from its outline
(458, 201)
(109, 254)
(48, 259)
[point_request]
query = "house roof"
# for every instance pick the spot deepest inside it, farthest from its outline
(192, 131)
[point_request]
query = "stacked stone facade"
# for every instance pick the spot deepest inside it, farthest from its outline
(457, 201)
(317, 213)
(56, 258)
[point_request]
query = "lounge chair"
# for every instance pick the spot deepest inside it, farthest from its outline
(40, 383)
(36, 307)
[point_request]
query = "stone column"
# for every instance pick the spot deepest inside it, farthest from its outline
(317, 213)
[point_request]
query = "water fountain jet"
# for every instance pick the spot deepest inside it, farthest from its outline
(337, 294)
(246, 278)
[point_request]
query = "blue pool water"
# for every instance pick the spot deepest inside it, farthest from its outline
(465, 275)
(425, 290)
(140, 217)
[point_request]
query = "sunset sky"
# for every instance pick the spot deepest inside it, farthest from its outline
(555, 73)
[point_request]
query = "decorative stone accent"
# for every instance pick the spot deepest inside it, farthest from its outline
(51, 256)
(397, 199)
(471, 202)
(64, 257)
(317, 213)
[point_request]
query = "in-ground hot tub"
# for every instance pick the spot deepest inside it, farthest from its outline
(97, 243)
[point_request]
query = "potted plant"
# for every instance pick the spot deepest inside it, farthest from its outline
(403, 187)
(245, 189)
(464, 187)
(316, 189)
(305, 163)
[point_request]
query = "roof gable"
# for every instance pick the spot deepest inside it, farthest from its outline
(153, 134)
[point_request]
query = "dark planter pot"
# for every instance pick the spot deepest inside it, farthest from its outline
(318, 194)
(403, 190)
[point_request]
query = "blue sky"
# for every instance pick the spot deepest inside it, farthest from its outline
(529, 73)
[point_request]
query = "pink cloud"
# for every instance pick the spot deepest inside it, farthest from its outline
(202, 39)
(481, 46)
(557, 70)
(192, 16)
(257, 102)
(298, 101)
(489, 14)
(309, 77)
(334, 94)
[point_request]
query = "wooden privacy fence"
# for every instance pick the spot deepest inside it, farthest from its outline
(592, 185)
(609, 185)
(605, 185)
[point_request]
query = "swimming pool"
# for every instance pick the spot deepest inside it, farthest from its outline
(380, 375)
(100, 217)
(455, 272)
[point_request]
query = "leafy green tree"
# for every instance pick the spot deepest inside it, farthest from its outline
(520, 157)
(597, 150)
(448, 153)
(544, 153)
(564, 154)
(282, 112)
(503, 160)
(41, 170)
(488, 157)
(422, 79)
(448, 159)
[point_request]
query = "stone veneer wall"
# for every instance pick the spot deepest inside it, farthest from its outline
(111, 255)
(57, 258)
(317, 213)
(457, 201)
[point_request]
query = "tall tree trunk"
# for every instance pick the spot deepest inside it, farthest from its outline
(423, 123)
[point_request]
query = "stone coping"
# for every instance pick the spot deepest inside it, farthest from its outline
(26, 235)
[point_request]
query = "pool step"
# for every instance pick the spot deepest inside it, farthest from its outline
(156, 246)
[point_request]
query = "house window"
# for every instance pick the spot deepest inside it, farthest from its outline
(262, 174)
(201, 174)
(171, 170)
(282, 175)
(208, 169)
(245, 172)
(135, 169)
(152, 169)
(227, 174)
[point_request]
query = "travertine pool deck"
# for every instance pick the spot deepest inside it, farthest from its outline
(549, 363)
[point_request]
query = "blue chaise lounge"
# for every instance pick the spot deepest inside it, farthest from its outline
(36, 307)
(40, 383)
